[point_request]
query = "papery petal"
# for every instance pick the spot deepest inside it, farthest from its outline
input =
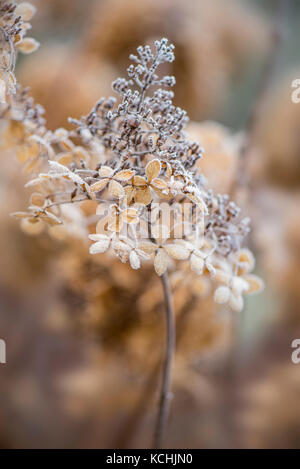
(256, 284)
(153, 169)
(177, 251)
(222, 295)
(100, 246)
(125, 175)
(139, 181)
(134, 260)
(143, 196)
(99, 185)
(239, 284)
(116, 189)
(160, 262)
(105, 171)
(159, 184)
(25, 10)
(147, 246)
(98, 237)
(28, 45)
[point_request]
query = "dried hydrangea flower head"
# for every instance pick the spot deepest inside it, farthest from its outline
(13, 27)
(140, 169)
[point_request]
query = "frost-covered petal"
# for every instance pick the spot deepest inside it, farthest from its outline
(25, 10)
(197, 264)
(160, 262)
(239, 284)
(246, 261)
(98, 237)
(143, 196)
(256, 284)
(159, 184)
(116, 189)
(139, 181)
(222, 295)
(125, 175)
(177, 251)
(28, 45)
(99, 185)
(153, 169)
(105, 171)
(100, 246)
(147, 246)
(134, 260)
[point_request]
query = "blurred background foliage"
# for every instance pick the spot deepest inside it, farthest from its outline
(84, 335)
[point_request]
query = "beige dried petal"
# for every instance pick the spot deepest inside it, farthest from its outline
(246, 261)
(147, 246)
(143, 196)
(139, 181)
(177, 251)
(159, 184)
(222, 295)
(125, 175)
(153, 169)
(99, 185)
(236, 302)
(130, 215)
(28, 45)
(116, 189)
(134, 260)
(100, 246)
(105, 171)
(256, 284)
(197, 264)
(199, 201)
(25, 10)
(160, 262)
(163, 194)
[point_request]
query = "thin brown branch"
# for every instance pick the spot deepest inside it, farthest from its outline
(165, 392)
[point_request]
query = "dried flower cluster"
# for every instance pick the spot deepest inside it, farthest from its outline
(132, 159)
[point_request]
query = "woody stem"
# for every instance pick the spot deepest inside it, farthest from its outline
(165, 390)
